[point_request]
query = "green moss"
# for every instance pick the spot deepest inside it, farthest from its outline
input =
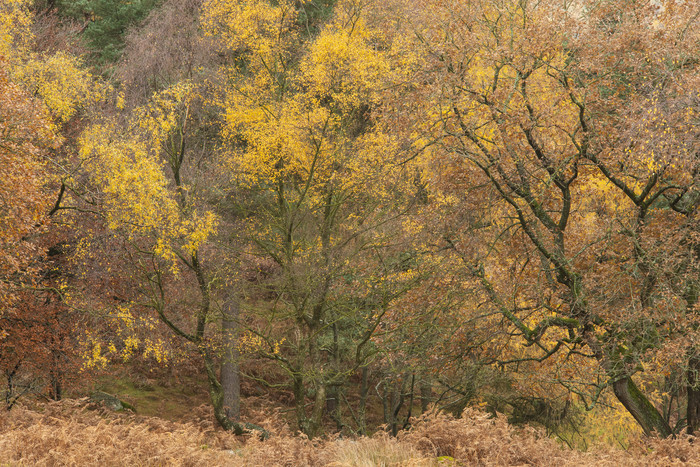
(157, 400)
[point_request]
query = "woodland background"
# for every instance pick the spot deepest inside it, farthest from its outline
(319, 220)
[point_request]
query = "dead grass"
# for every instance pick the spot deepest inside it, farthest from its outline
(73, 433)
(376, 451)
(478, 439)
(69, 434)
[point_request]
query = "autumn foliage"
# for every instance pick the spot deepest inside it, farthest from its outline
(375, 215)
(27, 134)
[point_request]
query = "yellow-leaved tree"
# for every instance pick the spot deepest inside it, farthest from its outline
(302, 136)
(152, 171)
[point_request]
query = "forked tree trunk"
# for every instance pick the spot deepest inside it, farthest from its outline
(640, 408)
(309, 425)
(216, 394)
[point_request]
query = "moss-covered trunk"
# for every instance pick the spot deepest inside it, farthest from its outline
(216, 394)
(640, 408)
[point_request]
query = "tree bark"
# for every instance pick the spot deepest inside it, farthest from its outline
(56, 391)
(362, 410)
(299, 389)
(230, 377)
(426, 394)
(693, 410)
(333, 406)
(216, 394)
(640, 408)
(396, 403)
(692, 415)
(313, 423)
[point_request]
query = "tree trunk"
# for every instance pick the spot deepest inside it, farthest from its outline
(313, 426)
(333, 406)
(396, 404)
(386, 402)
(230, 377)
(300, 401)
(426, 394)
(56, 391)
(693, 410)
(641, 409)
(216, 394)
(334, 391)
(693, 376)
(362, 410)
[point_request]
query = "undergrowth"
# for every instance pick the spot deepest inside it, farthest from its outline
(74, 432)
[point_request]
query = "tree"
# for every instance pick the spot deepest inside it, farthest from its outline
(149, 175)
(166, 49)
(26, 133)
(331, 199)
(106, 23)
(40, 93)
(590, 156)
